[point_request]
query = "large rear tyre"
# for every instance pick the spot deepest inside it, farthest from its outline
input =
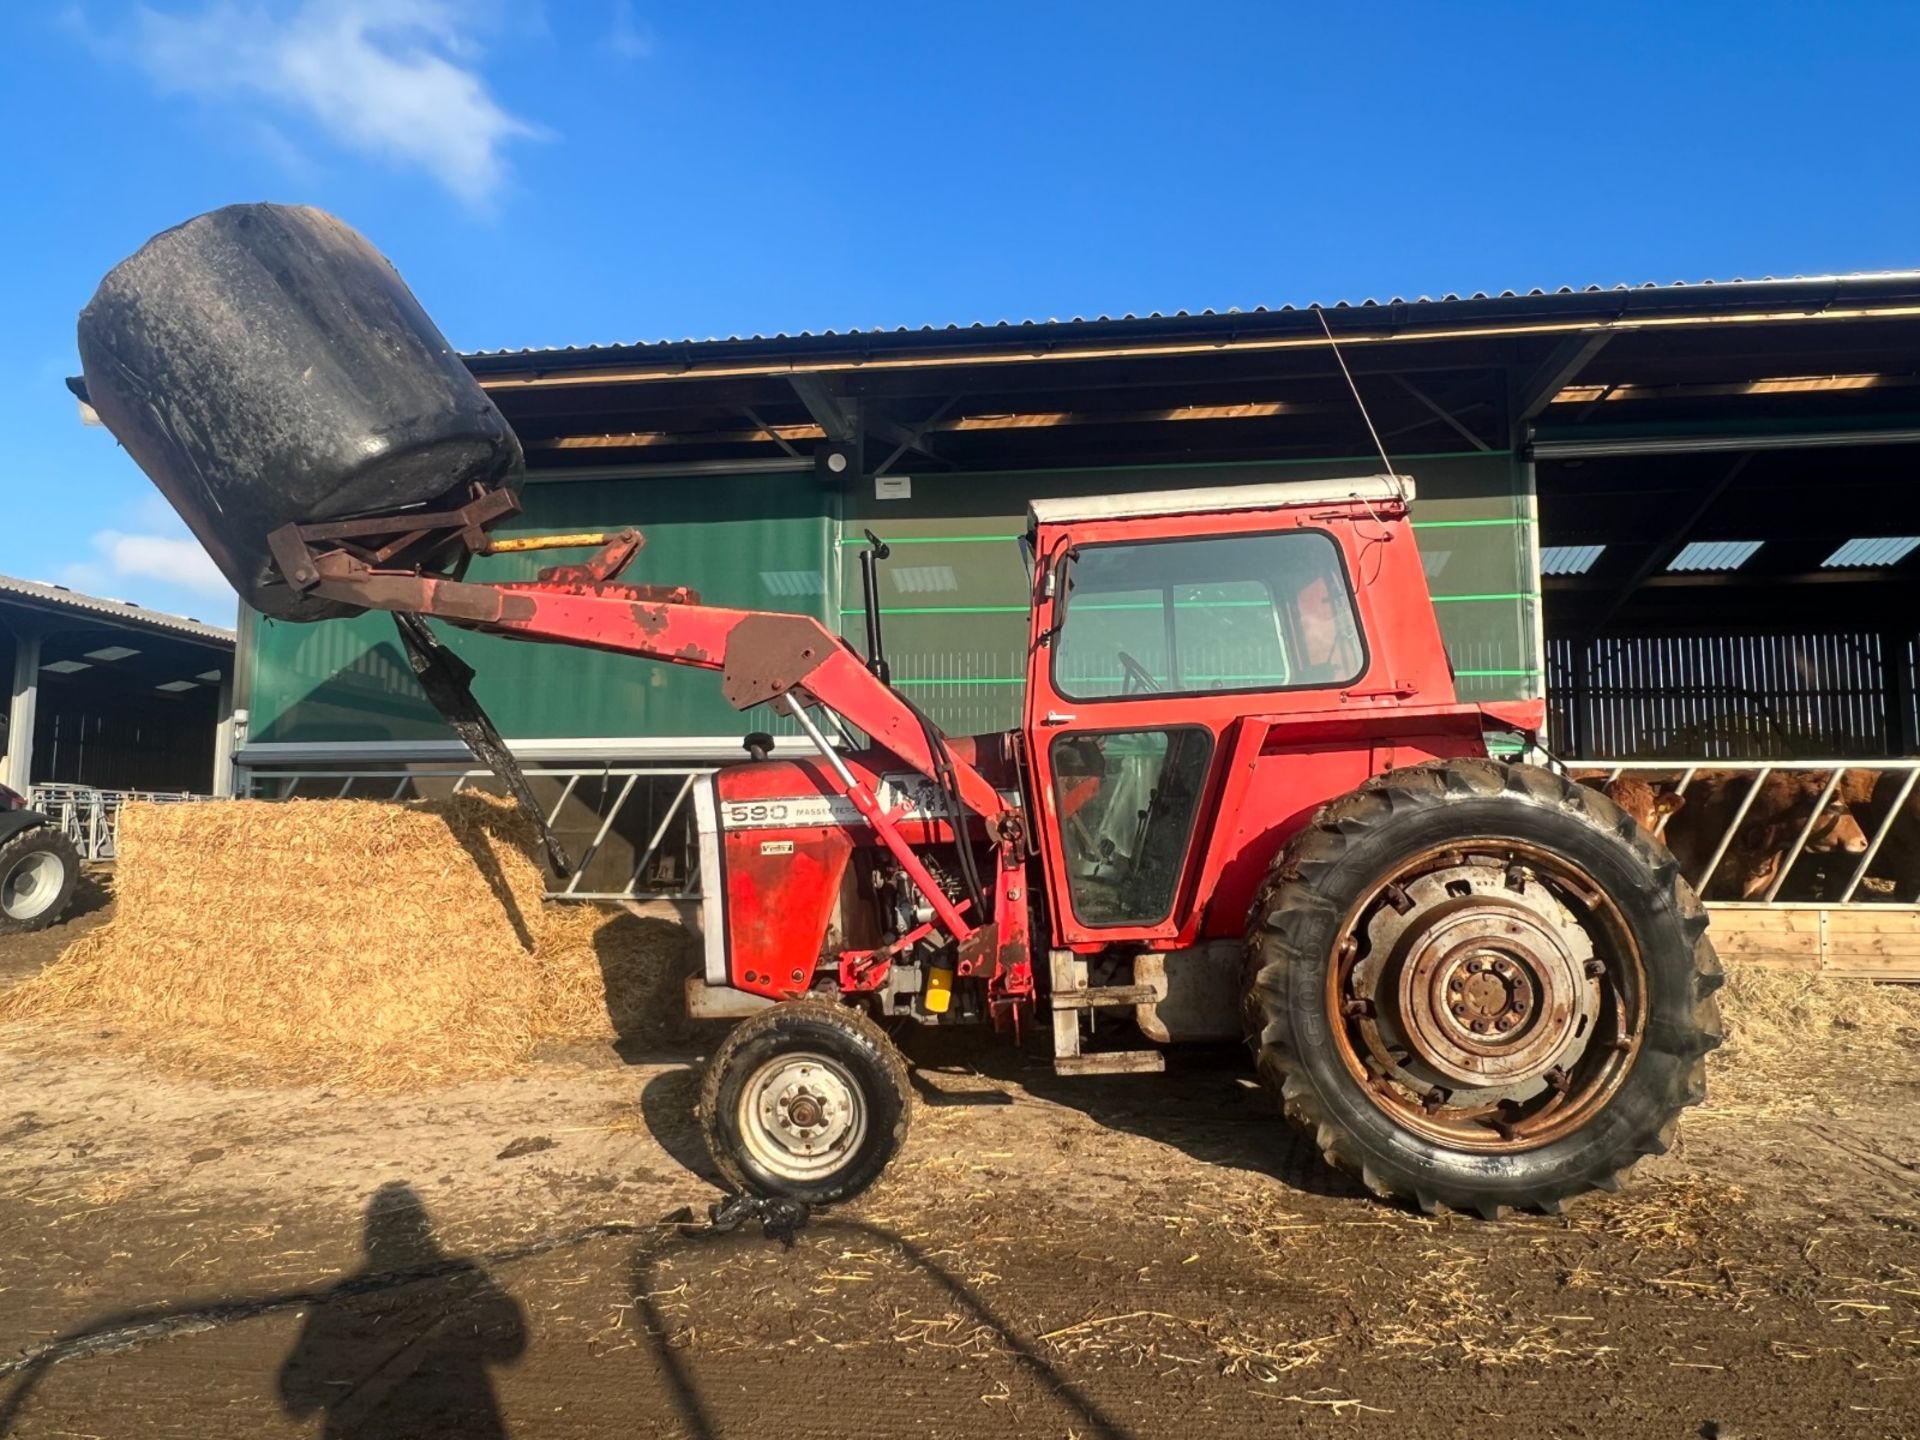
(38, 870)
(1481, 986)
(807, 1099)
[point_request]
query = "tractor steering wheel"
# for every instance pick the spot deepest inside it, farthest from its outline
(1139, 678)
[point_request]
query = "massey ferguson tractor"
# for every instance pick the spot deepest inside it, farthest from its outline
(1243, 799)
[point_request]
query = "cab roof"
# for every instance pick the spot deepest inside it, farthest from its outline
(1213, 501)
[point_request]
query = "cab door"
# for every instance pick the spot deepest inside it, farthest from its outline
(1146, 654)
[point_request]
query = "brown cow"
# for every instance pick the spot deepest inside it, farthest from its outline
(1898, 858)
(1644, 801)
(1782, 808)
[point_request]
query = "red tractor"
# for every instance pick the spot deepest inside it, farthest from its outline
(1243, 800)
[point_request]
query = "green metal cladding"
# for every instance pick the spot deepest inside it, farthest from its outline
(953, 597)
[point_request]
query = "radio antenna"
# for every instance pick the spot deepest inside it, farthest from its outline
(1335, 344)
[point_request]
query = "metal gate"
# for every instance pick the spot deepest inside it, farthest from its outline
(629, 829)
(1864, 917)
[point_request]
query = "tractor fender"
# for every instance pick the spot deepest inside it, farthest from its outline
(14, 822)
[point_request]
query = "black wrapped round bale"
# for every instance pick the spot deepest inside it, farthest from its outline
(265, 365)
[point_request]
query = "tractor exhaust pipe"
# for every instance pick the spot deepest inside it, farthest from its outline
(876, 551)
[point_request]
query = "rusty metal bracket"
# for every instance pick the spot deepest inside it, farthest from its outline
(380, 540)
(447, 680)
(604, 565)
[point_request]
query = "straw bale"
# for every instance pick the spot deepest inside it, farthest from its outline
(1797, 1040)
(349, 942)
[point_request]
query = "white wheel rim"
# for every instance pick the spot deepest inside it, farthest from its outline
(802, 1116)
(29, 889)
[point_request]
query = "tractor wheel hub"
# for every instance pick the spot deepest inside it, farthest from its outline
(1483, 983)
(800, 1115)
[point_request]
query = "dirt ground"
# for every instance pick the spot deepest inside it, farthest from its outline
(1137, 1256)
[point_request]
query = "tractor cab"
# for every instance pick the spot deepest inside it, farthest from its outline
(1180, 641)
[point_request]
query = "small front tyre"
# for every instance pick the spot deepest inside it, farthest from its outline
(38, 870)
(808, 1100)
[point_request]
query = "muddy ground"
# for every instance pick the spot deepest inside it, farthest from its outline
(1140, 1256)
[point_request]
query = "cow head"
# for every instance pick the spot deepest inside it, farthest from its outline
(1836, 829)
(1646, 804)
(1763, 843)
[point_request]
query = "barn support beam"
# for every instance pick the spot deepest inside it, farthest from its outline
(907, 438)
(1898, 679)
(22, 705)
(1446, 416)
(833, 415)
(1669, 545)
(1555, 373)
(223, 777)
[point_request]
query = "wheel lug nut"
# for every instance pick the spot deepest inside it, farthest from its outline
(1480, 1027)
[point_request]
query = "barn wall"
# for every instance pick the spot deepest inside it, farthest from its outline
(953, 596)
(1720, 695)
(761, 541)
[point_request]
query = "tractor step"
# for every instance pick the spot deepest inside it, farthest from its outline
(1111, 1062)
(1096, 996)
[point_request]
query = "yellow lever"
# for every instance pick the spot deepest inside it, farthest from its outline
(544, 542)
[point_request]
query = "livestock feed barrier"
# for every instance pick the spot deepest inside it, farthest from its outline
(1809, 865)
(630, 829)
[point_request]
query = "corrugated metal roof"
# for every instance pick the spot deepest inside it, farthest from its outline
(121, 612)
(1715, 554)
(1872, 551)
(1568, 559)
(1177, 316)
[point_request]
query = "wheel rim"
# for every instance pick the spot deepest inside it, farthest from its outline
(1488, 995)
(28, 890)
(802, 1116)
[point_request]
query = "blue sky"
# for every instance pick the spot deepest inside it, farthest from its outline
(605, 170)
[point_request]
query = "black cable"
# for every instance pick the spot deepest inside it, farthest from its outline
(949, 782)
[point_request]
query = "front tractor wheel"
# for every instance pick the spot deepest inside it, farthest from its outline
(806, 1099)
(1479, 985)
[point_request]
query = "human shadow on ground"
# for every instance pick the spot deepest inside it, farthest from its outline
(392, 1362)
(673, 1355)
(399, 1347)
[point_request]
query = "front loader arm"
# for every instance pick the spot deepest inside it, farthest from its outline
(398, 563)
(761, 655)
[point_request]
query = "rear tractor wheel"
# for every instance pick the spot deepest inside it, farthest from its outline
(806, 1099)
(1479, 986)
(38, 870)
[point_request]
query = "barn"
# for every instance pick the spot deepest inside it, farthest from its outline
(1682, 509)
(109, 700)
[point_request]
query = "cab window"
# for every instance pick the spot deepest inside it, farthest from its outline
(1217, 613)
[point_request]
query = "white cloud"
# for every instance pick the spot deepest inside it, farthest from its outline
(626, 37)
(172, 560)
(162, 557)
(397, 79)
